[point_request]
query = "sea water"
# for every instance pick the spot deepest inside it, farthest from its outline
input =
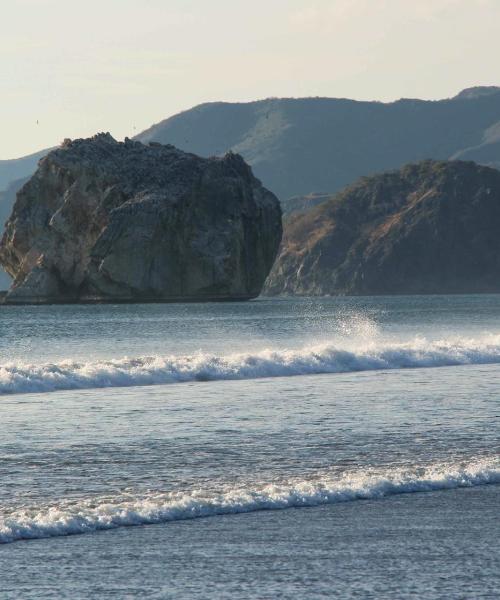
(303, 448)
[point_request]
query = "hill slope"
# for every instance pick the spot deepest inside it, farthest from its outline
(19, 168)
(297, 146)
(303, 145)
(430, 227)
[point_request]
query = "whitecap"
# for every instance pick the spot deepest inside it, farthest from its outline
(314, 359)
(94, 514)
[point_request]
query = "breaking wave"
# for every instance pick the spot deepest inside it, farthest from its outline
(158, 370)
(326, 358)
(94, 514)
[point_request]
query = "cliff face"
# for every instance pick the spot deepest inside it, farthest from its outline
(430, 227)
(107, 221)
(7, 200)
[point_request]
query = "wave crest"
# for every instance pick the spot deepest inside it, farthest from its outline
(77, 517)
(326, 358)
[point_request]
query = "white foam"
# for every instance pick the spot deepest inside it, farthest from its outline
(77, 517)
(326, 358)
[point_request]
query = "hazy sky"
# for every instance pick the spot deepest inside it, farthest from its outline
(112, 65)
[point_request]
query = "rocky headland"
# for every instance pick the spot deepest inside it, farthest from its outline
(102, 220)
(428, 228)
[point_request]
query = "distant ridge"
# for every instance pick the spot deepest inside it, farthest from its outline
(301, 145)
(477, 92)
(19, 168)
(297, 204)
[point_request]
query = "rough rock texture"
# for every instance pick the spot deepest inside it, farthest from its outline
(431, 227)
(7, 200)
(107, 221)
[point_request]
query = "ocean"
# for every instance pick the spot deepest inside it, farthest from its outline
(279, 448)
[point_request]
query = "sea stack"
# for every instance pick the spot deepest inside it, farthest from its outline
(109, 221)
(428, 228)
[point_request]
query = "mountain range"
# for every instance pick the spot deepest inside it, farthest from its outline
(298, 146)
(308, 146)
(302, 145)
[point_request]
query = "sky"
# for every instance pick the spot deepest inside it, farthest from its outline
(77, 68)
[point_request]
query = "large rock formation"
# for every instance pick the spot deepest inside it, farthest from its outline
(107, 221)
(7, 200)
(431, 227)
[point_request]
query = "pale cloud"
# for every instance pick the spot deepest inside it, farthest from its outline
(332, 14)
(80, 67)
(326, 14)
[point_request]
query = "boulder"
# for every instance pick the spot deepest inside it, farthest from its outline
(102, 220)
